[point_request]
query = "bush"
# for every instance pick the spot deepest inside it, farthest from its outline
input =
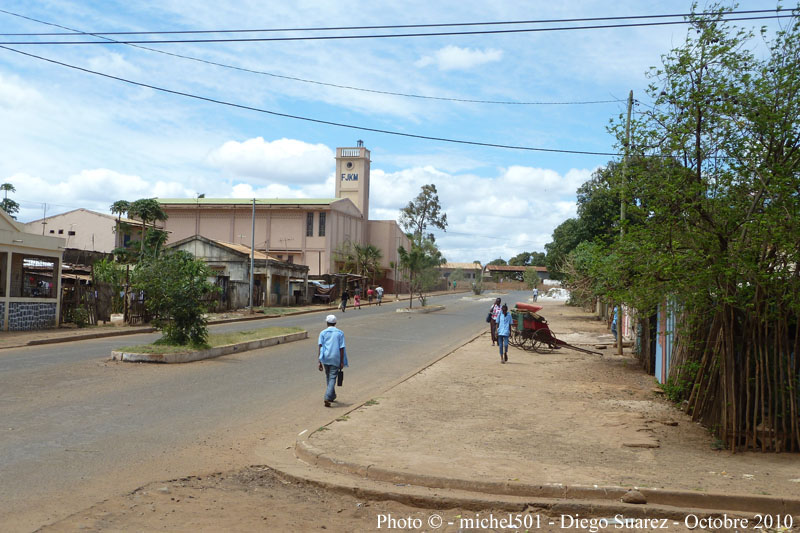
(176, 286)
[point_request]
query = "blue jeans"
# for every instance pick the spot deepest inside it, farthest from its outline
(501, 340)
(331, 373)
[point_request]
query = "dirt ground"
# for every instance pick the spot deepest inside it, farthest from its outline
(563, 417)
(256, 499)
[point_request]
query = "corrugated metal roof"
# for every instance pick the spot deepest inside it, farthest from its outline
(247, 201)
(466, 266)
(510, 268)
(241, 248)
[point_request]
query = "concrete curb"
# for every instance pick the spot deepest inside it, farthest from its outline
(105, 334)
(188, 357)
(86, 336)
(421, 310)
(431, 498)
(658, 497)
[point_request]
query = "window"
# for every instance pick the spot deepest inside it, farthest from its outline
(61, 232)
(322, 224)
(290, 259)
(70, 232)
(52, 231)
(309, 224)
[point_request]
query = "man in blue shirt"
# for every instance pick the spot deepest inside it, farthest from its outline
(332, 356)
(503, 331)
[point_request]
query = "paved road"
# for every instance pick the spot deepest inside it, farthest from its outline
(75, 427)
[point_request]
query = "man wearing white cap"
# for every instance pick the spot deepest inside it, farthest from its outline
(332, 356)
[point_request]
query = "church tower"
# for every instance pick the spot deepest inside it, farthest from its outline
(352, 176)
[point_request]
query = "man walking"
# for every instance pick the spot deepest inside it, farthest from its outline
(332, 357)
(379, 292)
(503, 332)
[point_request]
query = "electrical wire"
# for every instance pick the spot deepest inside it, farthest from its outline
(384, 35)
(308, 119)
(338, 86)
(384, 27)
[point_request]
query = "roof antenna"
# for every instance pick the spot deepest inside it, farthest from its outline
(359, 143)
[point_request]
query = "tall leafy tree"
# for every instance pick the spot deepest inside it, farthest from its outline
(423, 212)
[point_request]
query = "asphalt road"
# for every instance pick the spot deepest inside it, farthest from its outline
(76, 428)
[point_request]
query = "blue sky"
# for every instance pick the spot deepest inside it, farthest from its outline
(71, 139)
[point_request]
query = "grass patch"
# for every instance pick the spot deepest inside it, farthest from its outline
(371, 402)
(214, 340)
(343, 418)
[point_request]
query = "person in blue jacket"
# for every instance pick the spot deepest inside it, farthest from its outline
(503, 332)
(332, 356)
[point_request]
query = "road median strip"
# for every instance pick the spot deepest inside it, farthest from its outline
(220, 345)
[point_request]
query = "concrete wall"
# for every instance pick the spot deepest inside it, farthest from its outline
(282, 232)
(93, 231)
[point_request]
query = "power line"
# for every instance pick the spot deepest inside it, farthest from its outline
(308, 119)
(383, 27)
(338, 86)
(384, 35)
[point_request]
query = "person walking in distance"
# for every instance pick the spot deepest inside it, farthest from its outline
(345, 297)
(493, 323)
(503, 332)
(535, 293)
(379, 293)
(370, 294)
(357, 301)
(332, 357)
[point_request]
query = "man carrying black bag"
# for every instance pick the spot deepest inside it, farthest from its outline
(332, 357)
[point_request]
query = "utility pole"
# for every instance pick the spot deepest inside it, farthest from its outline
(622, 205)
(252, 254)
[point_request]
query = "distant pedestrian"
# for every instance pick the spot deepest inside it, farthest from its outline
(614, 323)
(332, 357)
(370, 294)
(357, 302)
(379, 293)
(345, 297)
(535, 293)
(503, 332)
(493, 312)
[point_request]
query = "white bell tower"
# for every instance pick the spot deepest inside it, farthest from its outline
(352, 176)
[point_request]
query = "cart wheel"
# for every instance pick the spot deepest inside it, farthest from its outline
(540, 341)
(515, 339)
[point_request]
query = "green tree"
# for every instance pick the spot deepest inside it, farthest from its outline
(456, 276)
(421, 264)
(176, 289)
(147, 210)
(111, 272)
(712, 193)
(531, 278)
(7, 204)
(528, 259)
(422, 212)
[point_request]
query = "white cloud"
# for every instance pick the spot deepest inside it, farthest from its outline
(456, 58)
(488, 217)
(92, 189)
(279, 161)
(114, 64)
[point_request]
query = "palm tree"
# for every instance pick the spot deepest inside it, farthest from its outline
(9, 206)
(147, 210)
